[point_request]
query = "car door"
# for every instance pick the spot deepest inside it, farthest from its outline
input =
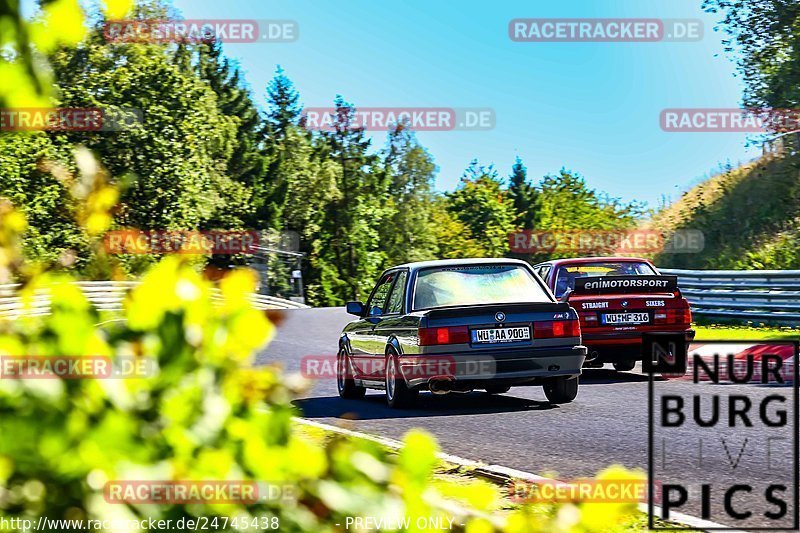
(362, 341)
(392, 321)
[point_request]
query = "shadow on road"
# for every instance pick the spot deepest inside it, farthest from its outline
(602, 376)
(373, 406)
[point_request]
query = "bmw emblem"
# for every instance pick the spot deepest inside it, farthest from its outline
(499, 316)
(624, 303)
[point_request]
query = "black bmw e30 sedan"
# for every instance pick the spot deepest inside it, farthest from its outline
(460, 325)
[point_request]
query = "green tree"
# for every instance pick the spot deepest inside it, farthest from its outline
(483, 205)
(177, 153)
(409, 234)
(248, 163)
(284, 109)
(566, 202)
(523, 195)
(281, 142)
(351, 228)
(453, 238)
(28, 181)
(765, 34)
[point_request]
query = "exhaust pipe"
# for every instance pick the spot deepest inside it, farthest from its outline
(591, 360)
(441, 384)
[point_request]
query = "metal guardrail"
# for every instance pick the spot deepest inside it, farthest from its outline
(107, 296)
(767, 295)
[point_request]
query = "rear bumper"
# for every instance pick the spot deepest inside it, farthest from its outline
(512, 367)
(622, 346)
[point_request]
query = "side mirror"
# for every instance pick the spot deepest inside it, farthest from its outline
(355, 308)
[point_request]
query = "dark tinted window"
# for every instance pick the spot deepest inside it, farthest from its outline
(378, 299)
(395, 304)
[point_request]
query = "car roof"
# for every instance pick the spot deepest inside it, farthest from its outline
(458, 262)
(599, 259)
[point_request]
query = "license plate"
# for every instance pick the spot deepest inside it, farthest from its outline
(514, 334)
(626, 318)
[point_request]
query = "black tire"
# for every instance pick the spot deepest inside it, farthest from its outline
(344, 379)
(398, 394)
(497, 389)
(562, 389)
(624, 366)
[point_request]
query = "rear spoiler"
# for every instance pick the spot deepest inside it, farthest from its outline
(480, 309)
(626, 284)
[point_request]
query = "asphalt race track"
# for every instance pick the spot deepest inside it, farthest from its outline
(606, 424)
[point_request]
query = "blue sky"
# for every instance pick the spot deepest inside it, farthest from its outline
(590, 107)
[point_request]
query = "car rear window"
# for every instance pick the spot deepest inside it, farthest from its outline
(568, 273)
(474, 285)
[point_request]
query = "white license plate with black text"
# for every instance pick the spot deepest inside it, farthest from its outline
(626, 318)
(513, 334)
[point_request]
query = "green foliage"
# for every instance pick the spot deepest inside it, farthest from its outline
(523, 195)
(454, 238)
(409, 233)
(750, 215)
(766, 36)
(202, 412)
(350, 238)
(175, 155)
(248, 163)
(741, 229)
(284, 138)
(284, 109)
(566, 202)
(482, 204)
(44, 200)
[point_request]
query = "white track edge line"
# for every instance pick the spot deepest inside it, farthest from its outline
(503, 471)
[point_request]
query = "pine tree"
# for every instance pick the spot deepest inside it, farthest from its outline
(354, 218)
(284, 109)
(247, 163)
(523, 195)
(283, 115)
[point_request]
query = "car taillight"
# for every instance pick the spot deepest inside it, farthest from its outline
(589, 318)
(444, 335)
(556, 328)
(673, 316)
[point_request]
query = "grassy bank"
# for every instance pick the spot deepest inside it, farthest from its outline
(468, 492)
